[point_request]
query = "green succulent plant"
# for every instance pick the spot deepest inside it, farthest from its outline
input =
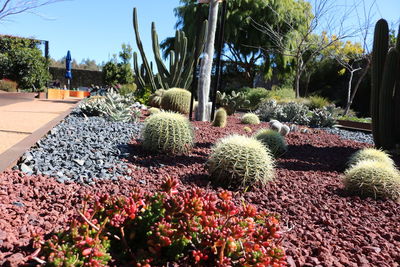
(220, 118)
(153, 110)
(240, 161)
(177, 100)
(370, 154)
(371, 178)
(250, 118)
(167, 132)
(273, 140)
(232, 102)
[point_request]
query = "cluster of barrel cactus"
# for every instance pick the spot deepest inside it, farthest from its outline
(372, 173)
(385, 93)
(155, 98)
(167, 132)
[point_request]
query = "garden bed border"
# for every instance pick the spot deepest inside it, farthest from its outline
(10, 157)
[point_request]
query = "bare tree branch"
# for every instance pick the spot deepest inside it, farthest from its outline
(13, 7)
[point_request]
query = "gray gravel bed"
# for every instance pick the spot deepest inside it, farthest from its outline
(82, 148)
(351, 135)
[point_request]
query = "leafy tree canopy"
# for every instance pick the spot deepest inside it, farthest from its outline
(242, 39)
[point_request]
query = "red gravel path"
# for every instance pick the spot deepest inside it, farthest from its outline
(325, 226)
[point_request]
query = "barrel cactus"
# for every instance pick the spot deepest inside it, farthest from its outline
(153, 110)
(370, 154)
(155, 98)
(250, 118)
(371, 178)
(167, 132)
(239, 161)
(273, 140)
(177, 100)
(220, 118)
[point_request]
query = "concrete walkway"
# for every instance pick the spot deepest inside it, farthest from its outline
(23, 117)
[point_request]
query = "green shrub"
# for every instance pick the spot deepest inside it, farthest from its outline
(127, 89)
(371, 178)
(153, 110)
(322, 117)
(220, 118)
(8, 85)
(250, 118)
(256, 95)
(370, 154)
(317, 102)
(177, 100)
(239, 161)
(155, 98)
(167, 132)
(273, 140)
(22, 61)
(281, 93)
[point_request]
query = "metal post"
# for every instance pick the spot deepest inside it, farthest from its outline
(196, 55)
(218, 63)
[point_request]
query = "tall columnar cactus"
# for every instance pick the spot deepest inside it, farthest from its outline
(385, 72)
(176, 99)
(167, 132)
(379, 51)
(181, 62)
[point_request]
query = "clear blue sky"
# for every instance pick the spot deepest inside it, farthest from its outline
(96, 29)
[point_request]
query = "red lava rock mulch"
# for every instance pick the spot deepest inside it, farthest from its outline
(323, 225)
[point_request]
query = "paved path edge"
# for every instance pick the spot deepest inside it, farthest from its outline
(10, 157)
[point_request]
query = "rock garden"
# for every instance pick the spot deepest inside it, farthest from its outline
(136, 175)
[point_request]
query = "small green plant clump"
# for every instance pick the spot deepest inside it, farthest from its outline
(317, 102)
(240, 161)
(273, 140)
(372, 178)
(127, 89)
(220, 119)
(177, 100)
(192, 227)
(167, 132)
(232, 102)
(370, 154)
(250, 118)
(247, 129)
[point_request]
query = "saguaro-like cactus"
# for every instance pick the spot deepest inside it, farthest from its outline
(180, 71)
(385, 92)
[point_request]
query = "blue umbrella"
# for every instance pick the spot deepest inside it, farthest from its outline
(68, 67)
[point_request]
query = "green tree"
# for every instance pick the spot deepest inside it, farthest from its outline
(243, 42)
(22, 61)
(115, 72)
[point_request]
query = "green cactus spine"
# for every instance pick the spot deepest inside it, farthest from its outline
(386, 101)
(176, 99)
(220, 118)
(379, 52)
(250, 118)
(167, 132)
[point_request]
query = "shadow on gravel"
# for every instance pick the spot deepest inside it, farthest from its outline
(143, 158)
(311, 158)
